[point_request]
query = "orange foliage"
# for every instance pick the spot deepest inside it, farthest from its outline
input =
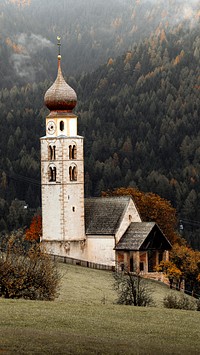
(178, 58)
(117, 22)
(187, 260)
(16, 47)
(34, 232)
(128, 57)
(184, 263)
(20, 2)
(110, 62)
(170, 270)
(152, 208)
(163, 36)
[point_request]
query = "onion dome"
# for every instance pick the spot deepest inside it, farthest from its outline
(60, 96)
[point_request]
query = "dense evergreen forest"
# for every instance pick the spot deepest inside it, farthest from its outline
(139, 112)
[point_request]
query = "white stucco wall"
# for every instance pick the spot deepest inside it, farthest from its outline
(63, 199)
(130, 215)
(95, 249)
(100, 249)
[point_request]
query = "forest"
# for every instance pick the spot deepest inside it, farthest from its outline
(139, 111)
(91, 32)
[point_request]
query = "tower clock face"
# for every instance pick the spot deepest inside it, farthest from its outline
(51, 127)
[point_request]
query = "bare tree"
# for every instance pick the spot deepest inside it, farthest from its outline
(132, 289)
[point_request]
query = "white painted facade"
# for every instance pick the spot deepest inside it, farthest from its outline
(62, 176)
(130, 215)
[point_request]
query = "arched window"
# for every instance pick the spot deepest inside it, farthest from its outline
(52, 173)
(70, 173)
(52, 152)
(72, 152)
(62, 125)
(73, 173)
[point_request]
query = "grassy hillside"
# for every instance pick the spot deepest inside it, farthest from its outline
(84, 320)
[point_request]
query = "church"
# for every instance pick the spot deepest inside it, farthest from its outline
(104, 230)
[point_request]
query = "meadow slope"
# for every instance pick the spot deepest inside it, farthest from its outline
(85, 320)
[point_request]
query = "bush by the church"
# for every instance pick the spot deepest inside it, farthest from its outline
(26, 271)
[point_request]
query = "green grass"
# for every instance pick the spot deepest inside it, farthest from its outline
(85, 320)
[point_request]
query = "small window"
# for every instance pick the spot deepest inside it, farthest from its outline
(73, 209)
(62, 126)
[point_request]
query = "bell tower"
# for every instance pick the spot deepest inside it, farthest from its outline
(62, 172)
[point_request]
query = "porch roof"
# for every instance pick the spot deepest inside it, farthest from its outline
(143, 236)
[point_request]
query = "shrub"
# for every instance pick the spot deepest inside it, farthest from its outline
(180, 301)
(198, 304)
(132, 289)
(27, 272)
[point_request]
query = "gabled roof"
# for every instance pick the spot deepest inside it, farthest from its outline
(143, 236)
(103, 215)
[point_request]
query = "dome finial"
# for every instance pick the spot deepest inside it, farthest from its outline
(59, 45)
(60, 96)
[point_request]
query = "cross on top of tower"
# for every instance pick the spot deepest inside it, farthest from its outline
(59, 45)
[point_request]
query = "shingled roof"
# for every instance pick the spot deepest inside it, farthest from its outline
(143, 236)
(103, 215)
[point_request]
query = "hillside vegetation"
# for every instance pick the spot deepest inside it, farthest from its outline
(84, 320)
(93, 31)
(139, 115)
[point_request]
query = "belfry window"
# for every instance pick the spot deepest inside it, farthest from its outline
(62, 126)
(72, 152)
(73, 173)
(52, 173)
(52, 152)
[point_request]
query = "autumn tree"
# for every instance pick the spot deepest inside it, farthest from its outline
(26, 271)
(172, 272)
(34, 232)
(184, 265)
(152, 208)
(187, 261)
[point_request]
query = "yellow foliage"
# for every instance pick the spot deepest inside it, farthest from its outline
(20, 2)
(15, 47)
(163, 36)
(117, 22)
(178, 58)
(110, 62)
(128, 57)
